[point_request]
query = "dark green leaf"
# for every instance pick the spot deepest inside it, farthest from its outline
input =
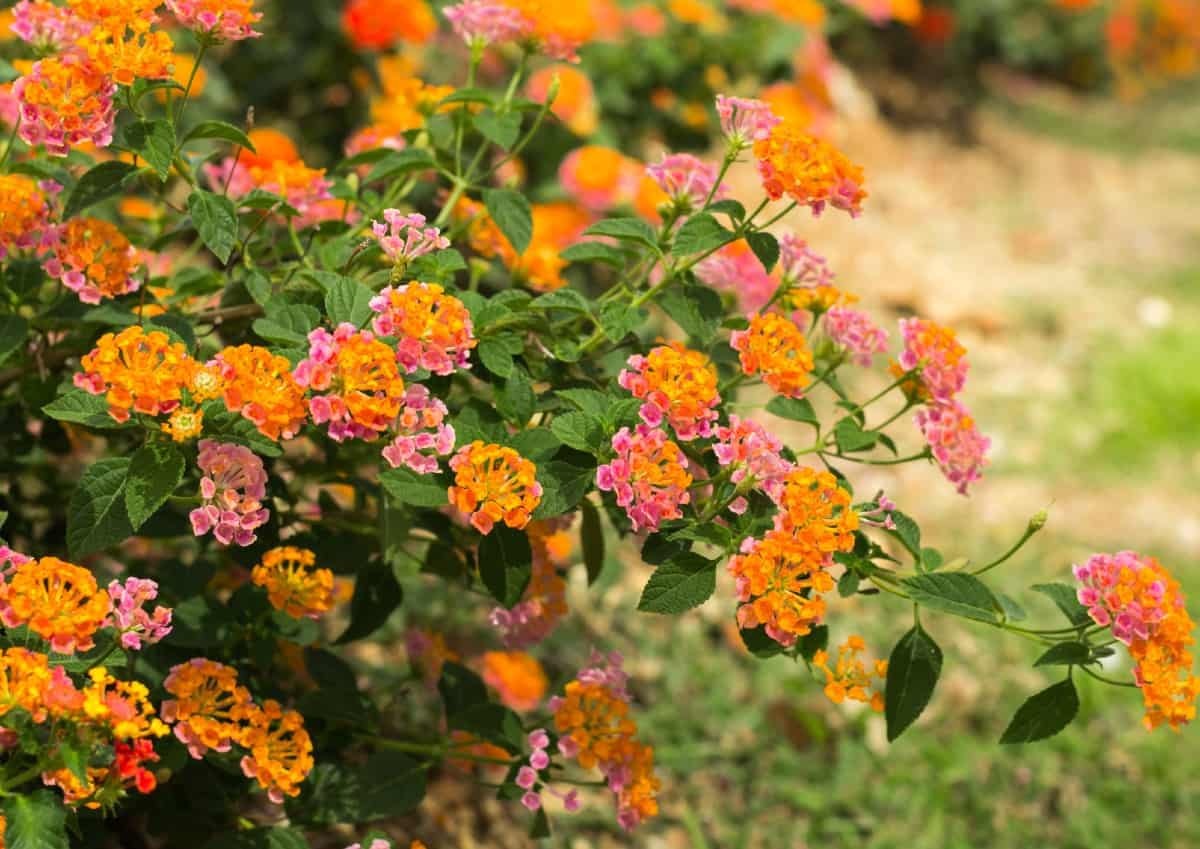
(407, 487)
(35, 820)
(516, 401)
(908, 532)
(98, 184)
(680, 584)
(264, 837)
(220, 130)
(505, 564)
(494, 355)
(96, 516)
(460, 688)
(14, 331)
(563, 484)
(155, 471)
(216, 221)
(155, 142)
(658, 549)
(765, 247)
(563, 299)
(535, 444)
(389, 784)
(510, 210)
(729, 207)
(1043, 715)
(814, 641)
(794, 409)
(1065, 654)
(437, 267)
(758, 643)
(347, 300)
(701, 233)
(591, 533)
(1064, 596)
(913, 671)
(377, 594)
(851, 437)
(954, 592)
(697, 309)
(589, 252)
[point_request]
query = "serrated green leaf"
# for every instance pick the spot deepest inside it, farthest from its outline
(510, 210)
(586, 400)
(1043, 715)
(437, 267)
(505, 564)
(730, 207)
(765, 247)
(954, 592)
(99, 183)
(407, 487)
(216, 221)
(680, 584)
(619, 319)
(851, 437)
(155, 471)
(907, 531)
(494, 355)
(14, 331)
(398, 163)
(96, 515)
(591, 534)
(589, 251)
(516, 400)
(759, 643)
(913, 671)
(347, 300)
(1063, 595)
(220, 130)
(501, 129)
(699, 234)
(83, 408)
(564, 485)
(388, 784)
(624, 230)
(154, 141)
(581, 431)
(793, 409)
(35, 820)
(535, 444)
(697, 309)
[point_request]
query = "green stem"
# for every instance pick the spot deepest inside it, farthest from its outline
(187, 90)
(12, 140)
(1032, 528)
(1099, 677)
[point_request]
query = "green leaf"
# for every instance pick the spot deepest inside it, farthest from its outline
(765, 247)
(535, 444)
(618, 319)
(96, 515)
(562, 299)
(75, 758)
(437, 267)
(954, 592)
(1044, 714)
(287, 323)
(624, 230)
(699, 234)
(505, 564)
(500, 129)
(36, 820)
(1064, 596)
(697, 309)
(510, 210)
(216, 221)
(581, 431)
(908, 532)
(564, 485)
(814, 641)
(155, 142)
(516, 400)
(589, 252)
(758, 643)
(220, 130)
(348, 300)
(794, 409)
(388, 784)
(259, 838)
(1013, 612)
(377, 594)
(658, 549)
(913, 670)
(398, 163)
(408, 487)
(460, 689)
(494, 355)
(98, 184)
(1065, 654)
(680, 584)
(155, 471)
(591, 533)
(14, 330)
(851, 437)
(730, 207)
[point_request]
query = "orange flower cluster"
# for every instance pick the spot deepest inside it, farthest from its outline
(809, 170)
(24, 680)
(24, 213)
(59, 601)
(517, 678)
(93, 258)
(540, 266)
(355, 379)
(122, 42)
(293, 583)
(492, 484)
(775, 347)
(560, 27)
(212, 711)
(432, 330)
(404, 103)
(137, 371)
(380, 24)
(780, 579)
(850, 678)
(676, 384)
(260, 386)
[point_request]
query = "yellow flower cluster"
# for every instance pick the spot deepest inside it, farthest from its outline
(850, 678)
(293, 583)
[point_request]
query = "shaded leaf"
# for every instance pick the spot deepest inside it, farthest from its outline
(913, 670)
(1044, 714)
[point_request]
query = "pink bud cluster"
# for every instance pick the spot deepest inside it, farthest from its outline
(483, 22)
(529, 775)
(744, 120)
(47, 27)
(686, 179)
(647, 476)
(755, 455)
(129, 616)
(403, 238)
(957, 445)
(854, 332)
(734, 268)
(421, 427)
(233, 487)
(212, 18)
(801, 265)
(1117, 594)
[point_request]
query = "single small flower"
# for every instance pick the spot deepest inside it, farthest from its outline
(494, 484)
(677, 386)
(855, 333)
(432, 330)
(957, 445)
(137, 626)
(220, 20)
(422, 434)
(293, 582)
(809, 170)
(775, 348)
(648, 477)
(185, 424)
(233, 488)
(850, 678)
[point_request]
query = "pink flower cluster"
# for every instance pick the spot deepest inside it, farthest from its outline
(214, 19)
(801, 265)
(958, 446)
(10, 560)
(647, 477)
(318, 372)
(1109, 587)
(755, 455)
(744, 120)
(854, 332)
(686, 180)
(528, 776)
(233, 487)
(47, 27)
(421, 427)
(41, 234)
(483, 22)
(734, 268)
(937, 353)
(405, 237)
(129, 615)
(53, 128)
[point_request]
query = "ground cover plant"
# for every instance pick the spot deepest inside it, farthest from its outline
(251, 405)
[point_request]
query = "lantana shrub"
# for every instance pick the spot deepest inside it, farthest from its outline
(250, 404)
